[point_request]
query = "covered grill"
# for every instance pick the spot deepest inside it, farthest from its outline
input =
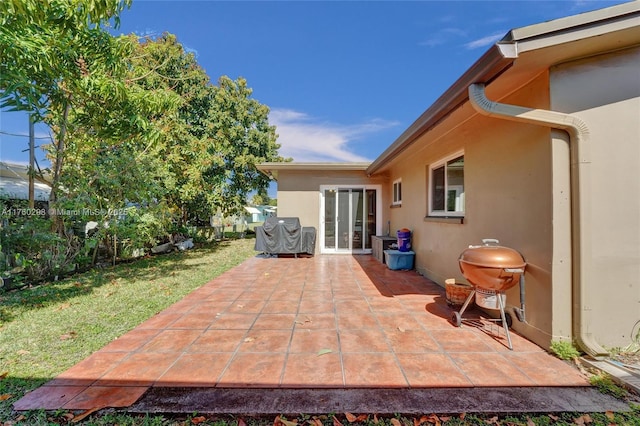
(284, 235)
(491, 269)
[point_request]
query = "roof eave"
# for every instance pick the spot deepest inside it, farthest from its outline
(493, 63)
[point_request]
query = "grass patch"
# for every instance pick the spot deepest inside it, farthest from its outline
(564, 350)
(47, 329)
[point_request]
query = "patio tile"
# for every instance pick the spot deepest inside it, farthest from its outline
(355, 320)
(490, 369)
(280, 307)
(217, 341)
(313, 370)
(403, 320)
(543, 369)
(140, 369)
(171, 341)
(48, 397)
(411, 341)
(161, 320)
(90, 369)
(194, 320)
(274, 322)
(372, 370)
(231, 321)
(254, 370)
(318, 305)
(203, 369)
(363, 340)
(432, 370)
(106, 396)
(313, 341)
(131, 341)
(316, 321)
(457, 339)
(246, 306)
(266, 341)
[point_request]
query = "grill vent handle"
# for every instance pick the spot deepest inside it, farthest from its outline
(487, 241)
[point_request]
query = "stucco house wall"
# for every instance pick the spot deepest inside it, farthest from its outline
(604, 91)
(299, 192)
(507, 180)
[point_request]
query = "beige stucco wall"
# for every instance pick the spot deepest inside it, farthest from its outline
(508, 197)
(604, 92)
(299, 192)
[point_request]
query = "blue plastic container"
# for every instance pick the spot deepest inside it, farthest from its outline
(404, 240)
(399, 260)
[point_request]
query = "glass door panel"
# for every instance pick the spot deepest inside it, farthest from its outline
(344, 219)
(349, 219)
(330, 218)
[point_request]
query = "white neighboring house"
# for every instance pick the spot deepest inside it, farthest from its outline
(14, 183)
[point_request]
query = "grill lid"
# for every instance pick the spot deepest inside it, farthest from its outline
(491, 255)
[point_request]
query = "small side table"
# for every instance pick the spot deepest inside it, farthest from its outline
(380, 243)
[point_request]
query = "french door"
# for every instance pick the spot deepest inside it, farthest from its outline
(348, 218)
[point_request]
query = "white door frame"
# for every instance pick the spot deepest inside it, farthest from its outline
(321, 227)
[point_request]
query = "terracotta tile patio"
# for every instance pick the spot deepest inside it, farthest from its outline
(318, 322)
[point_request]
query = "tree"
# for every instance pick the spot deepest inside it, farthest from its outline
(211, 147)
(62, 66)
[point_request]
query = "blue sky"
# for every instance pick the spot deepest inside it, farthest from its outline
(342, 79)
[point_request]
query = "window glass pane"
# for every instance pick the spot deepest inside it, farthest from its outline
(399, 191)
(437, 189)
(455, 185)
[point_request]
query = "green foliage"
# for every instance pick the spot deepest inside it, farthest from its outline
(564, 349)
(606, 385)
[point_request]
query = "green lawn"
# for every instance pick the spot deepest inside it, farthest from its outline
(46, 329)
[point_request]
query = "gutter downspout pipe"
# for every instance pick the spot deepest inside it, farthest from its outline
(580, 200)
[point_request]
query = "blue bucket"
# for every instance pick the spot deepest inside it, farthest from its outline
(404, 240)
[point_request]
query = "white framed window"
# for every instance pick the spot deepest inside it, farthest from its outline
(397, 192)
(446, 186)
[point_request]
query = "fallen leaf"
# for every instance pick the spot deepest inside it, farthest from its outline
(434, 419)
(87, 413)
(395, 422)
(69, 335)
(63, 306)
(241, 422)
(5, 396)
(324, 351)
(362, 417)
(492, 420)
(315, 422)
(462, 416)
(198, 420)
(20, 418)
(23, 352)
(3, 375)
(445, 418)
(402, 330)
(280, 421)
(249, 339)
(350, 417)
(68, 416)
(610, 415)
(375, 419)
(336, 422)
(530, 422)
(552, 417)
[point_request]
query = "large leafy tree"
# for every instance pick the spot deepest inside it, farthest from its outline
(60, 64)
(211, 147)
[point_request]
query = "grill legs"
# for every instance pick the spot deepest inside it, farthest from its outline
(456, 316)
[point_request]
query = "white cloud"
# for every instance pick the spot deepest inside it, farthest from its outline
(307, 139)
(442, 36)
(485, 41)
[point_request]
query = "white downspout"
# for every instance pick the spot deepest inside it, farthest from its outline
(580, 201)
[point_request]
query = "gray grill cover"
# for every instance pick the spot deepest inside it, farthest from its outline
(285, 235)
